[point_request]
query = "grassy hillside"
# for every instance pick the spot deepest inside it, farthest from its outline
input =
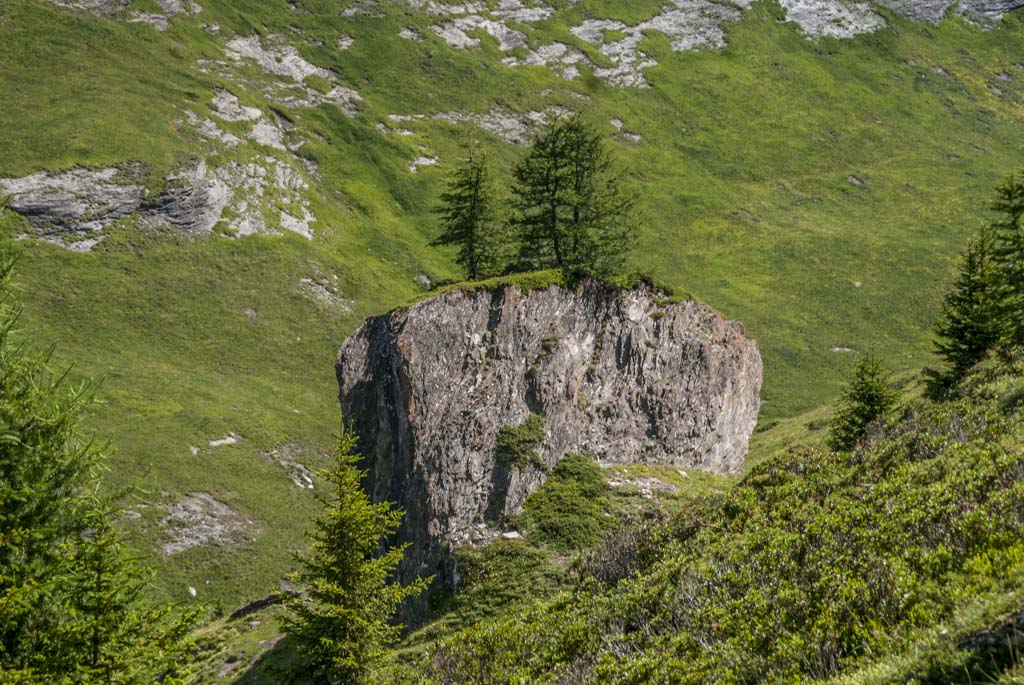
(897, 562)
(817, 190)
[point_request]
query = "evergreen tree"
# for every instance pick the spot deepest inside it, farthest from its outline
(342, 619)
(1008, 258)
(62, 560)
(468, 217)
(570, 208)
(967, 329)
(867, 398)
(114, 636)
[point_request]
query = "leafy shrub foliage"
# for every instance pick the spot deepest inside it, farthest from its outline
(816, 564)
(517, 445)
(568, 511)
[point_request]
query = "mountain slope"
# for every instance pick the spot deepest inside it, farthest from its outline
(816, 188)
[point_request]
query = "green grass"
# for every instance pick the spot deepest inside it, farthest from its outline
(743, 176)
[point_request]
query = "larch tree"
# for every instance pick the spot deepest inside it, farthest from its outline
(570, 208)
(468, 216)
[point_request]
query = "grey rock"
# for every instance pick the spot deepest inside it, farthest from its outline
(621, 375)
(932, 11)
(73, 207)
(102, 7)
(78, 201)
(192, 203)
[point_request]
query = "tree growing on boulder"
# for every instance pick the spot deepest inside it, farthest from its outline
(341, 619)
(867, 398)
(570, 209)
(469, 218)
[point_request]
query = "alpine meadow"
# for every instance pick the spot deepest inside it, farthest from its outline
(511, 341)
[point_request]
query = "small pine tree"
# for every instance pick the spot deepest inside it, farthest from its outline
(468, 217)
(114, 636)
(1008, 259)
(968, 327)
(867, 398)
(341, 620)
(571, 210)
(71, 607)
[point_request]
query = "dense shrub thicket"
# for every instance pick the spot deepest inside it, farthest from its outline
(816, 563)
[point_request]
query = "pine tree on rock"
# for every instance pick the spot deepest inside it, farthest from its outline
(341, 620)
(868, 398)
(1008, 258)
(968, 327)
(571, 211)
(468, 217)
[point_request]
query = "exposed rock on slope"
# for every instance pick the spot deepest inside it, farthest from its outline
(933, 10)
(622, 375)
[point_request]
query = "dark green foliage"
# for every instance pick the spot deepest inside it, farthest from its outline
(517, 445)
(468, 216)
(815, 565)
(501, 575)
(1008, 257)
(968, 327)
(115, 637)
(341, 620)
(568, 512)
(71, 607)
(571, 211)
(866, 399)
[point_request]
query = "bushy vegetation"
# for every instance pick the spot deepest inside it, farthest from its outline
(570, 510)
(517, 445)
(817, 564)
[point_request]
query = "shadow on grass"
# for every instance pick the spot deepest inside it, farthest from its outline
(279, 665)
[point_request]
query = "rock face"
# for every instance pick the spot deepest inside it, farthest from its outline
(624, 376)
(933, 11)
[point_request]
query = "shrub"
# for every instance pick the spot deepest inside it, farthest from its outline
(568, 511)
(517, 445)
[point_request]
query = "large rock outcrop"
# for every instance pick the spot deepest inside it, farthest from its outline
(622, 375)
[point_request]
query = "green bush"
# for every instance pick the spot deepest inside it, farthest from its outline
(568, 512)
(517, 445)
